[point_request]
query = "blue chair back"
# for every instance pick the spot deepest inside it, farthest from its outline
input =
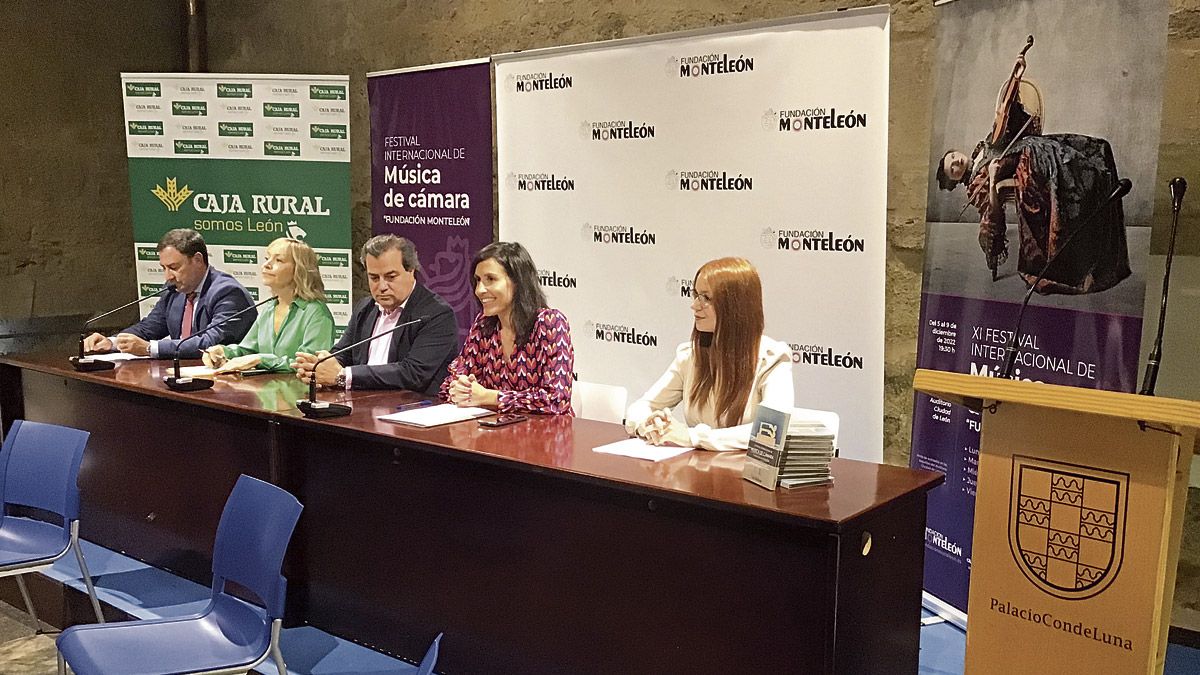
(252, 538)
(39, 467)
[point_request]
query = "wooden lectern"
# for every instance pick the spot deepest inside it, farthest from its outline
(1078, 516)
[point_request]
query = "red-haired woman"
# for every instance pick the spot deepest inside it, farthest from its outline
(724, 372)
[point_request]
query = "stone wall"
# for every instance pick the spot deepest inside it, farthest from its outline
(66, 243)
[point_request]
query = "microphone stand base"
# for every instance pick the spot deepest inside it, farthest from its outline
(187, 383)
(89, 365)
(319, 409)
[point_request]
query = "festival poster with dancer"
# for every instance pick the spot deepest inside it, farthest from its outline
(1040, 108)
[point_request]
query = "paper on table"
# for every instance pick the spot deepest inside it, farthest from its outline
(197, 371)
(434, 415)
(640, 449)
(116, 356)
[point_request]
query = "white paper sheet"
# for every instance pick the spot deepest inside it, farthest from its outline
(639, 449)
(432, 416)
(116, 356)
(197, 371)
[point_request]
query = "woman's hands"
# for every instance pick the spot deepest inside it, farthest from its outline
(662, 429)
(465, 392)
(214, 356)
(240, 363)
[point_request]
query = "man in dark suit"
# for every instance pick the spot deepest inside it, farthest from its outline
(201, 295)
(414, 357)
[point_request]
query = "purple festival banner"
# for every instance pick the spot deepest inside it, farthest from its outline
(431, 171)
(969, 335)
(1021, 165)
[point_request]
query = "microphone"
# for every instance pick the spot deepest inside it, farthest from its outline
(87, 365)
(177, 383)
(1178, 186)
(314, 408)
(1123, 187)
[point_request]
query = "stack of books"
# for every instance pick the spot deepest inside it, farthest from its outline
(787, 452)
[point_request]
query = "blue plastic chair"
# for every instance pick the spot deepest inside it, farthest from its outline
(231, 635)
(39, 468)
(431, 657)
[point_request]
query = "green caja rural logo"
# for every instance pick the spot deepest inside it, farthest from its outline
(337, 297)
(281, 109)
(329, 131)
(149, 253)
(333, 259)
(151, 128)
(240, 256)
(191, 108)
(281, 148)
(228, 90)
(253, 292)
(143, 89)
(148, 289)
(235, 128)
(187, 147)
(327, 92)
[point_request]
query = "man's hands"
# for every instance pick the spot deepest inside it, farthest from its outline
(97, 343)
(125, 342)
(327, 372)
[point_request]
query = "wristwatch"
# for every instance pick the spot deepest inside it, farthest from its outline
(339, 382)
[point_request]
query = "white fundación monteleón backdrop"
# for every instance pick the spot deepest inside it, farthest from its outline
(623, 166)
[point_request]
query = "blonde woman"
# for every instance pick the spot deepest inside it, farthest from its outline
(298, 321)
(723, 373)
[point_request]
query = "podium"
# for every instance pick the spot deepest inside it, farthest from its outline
(1078, 516)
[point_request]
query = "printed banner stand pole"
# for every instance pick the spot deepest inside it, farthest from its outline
(1078, 520)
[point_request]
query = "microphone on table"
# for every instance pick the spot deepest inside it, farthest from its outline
(314, 408)
(1123, 187)
(1178, 187)
(86, 364)
(177, 383)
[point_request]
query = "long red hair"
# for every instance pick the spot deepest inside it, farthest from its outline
(725, 366)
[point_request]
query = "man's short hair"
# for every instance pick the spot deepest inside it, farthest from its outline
(377, 245)
(188, 242)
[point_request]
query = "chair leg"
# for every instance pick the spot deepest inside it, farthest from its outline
(276, 652)
(87, 580)
(37, 625)
(278, 656)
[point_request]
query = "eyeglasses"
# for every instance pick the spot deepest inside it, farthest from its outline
(703, 298)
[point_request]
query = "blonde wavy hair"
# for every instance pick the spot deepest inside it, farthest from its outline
(306, 273)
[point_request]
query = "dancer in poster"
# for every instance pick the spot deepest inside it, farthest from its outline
(1056, 181)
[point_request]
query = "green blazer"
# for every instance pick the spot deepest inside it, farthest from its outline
(308, 327)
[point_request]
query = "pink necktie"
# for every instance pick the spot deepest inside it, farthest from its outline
(188, 309)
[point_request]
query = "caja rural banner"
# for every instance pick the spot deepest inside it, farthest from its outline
(624, 166)
(1089, 91)
(243, 160)
(431, 170)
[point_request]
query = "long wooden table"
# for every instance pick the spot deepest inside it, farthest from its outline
(533, 553)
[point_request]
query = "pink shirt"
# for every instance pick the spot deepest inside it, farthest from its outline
(379, 349)
(538, 377)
